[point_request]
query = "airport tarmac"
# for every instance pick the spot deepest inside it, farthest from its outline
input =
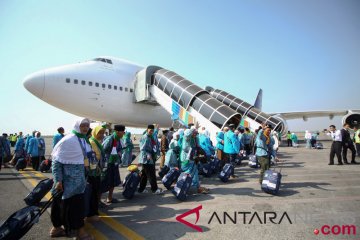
(312, 196)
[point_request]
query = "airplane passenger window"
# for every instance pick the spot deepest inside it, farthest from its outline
(115, 87)
(97, 84)
(120, 88)
(83, 82)
(131, 90)
(103, 85)
(68, 80)
(75, 81)
(109, 86)
(90, 84)
(126, 89)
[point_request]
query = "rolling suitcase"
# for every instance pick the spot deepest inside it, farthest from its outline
(319, 145)
(226, 172)
(271, 182)
(20, 222)
(130, 185)
(253, 162)
(21, 164)
(45, 165)
(182, 186)
(215, 165)
(170, 177)
(205, 169)
(40, 190)
(164, 170)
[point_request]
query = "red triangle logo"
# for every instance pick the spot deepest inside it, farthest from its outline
(181, 217)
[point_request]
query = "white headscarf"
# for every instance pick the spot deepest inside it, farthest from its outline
(206, 133)
(69, 150)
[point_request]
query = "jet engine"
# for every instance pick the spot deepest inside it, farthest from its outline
(352, 118)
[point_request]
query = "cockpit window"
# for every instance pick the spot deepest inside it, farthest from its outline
(102, 60)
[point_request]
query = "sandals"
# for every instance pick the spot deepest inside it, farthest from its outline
(57, 232)
(203, 190)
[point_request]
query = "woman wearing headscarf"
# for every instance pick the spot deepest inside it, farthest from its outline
(95, 169)
(188, 164)
(129, 146)
(69, 161)
(33, 151)
(205, 144)
(172, 155)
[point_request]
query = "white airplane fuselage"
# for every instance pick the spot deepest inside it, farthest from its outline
(98, 90)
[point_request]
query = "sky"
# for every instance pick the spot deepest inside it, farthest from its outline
(305, 55)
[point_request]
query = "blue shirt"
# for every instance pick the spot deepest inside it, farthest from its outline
(57, 137)
(72, 177)
(263, 149)
(231, 143)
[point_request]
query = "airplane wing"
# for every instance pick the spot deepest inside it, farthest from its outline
(313, 114)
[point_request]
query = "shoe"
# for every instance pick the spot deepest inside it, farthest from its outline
(145, 191)
(346, 162)
(57, 232)
(158, 191)
(354, 162)
(340, 163)
(85, 237)
(203, 190)
(331, 164)
(94, 218)
(114, 200)
(102, 205)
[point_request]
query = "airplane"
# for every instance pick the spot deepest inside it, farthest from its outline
(114, 90)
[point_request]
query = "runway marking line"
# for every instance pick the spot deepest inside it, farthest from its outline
(108, 220)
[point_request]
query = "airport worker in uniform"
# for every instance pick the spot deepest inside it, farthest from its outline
(147, 158)
(288, 137)
(347, 143)
(336, 145)
(357, 139)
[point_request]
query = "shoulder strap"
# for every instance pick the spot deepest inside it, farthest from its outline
(82, 147)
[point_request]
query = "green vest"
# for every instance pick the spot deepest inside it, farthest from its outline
(357, 138)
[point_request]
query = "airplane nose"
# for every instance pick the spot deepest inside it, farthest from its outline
(35, 83)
